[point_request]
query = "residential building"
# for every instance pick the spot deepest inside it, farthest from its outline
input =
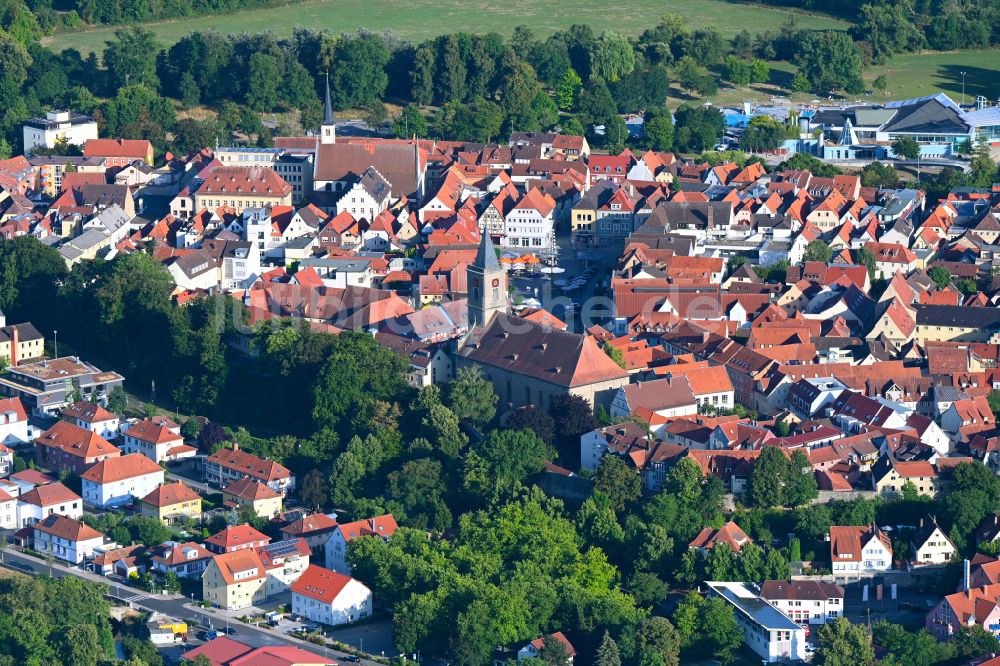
(956, 323)
(28, 479)
(238, 188)
(65, 539)
(253, 494)
(330, 598)
(336, 545)
(171, 501)
(766, 630)
(13, 428)
(119, 153)
(156, 441)
(296, 170)
(367, 197)
(532, 649)
(185, 560)
(228, 465)
(42, 501)
(975, 607)
(236, 537)
(68, 446)
(224, 651)
(57, 127)
(729, 534)
(805, 601)
(930, 545)
(93, 417)
(529, 224)
(8, 511)
(856, 550)
(315, 529)
(49, 171)
(284, 562)
(710, 384)
(668, 397)
(235, 580)
(121, 480)
(890, 476)
(46, 386)
(604, 216)
(20, 343)
(967, 417)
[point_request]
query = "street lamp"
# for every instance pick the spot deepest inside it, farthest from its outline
(963, 87)
(55, 334)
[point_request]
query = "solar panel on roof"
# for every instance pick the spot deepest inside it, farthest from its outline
(280, 548)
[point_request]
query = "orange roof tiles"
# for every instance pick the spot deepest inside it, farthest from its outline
(121, 468)
(730, 534)
(320, 584)
(169, 494)
(76, 441)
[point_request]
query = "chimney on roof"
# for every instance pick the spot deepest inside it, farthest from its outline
(236, 446)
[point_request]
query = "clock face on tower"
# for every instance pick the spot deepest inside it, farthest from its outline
(496, 282)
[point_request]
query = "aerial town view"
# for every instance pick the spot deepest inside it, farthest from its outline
(412, 333)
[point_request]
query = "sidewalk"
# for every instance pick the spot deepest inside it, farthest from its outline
(115, 588)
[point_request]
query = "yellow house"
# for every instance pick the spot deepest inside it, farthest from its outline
(890, 476)
(251, 493)
(235, 580)
(896, 324)
(246, 577)
(242, 187)
(940, 323)
(170, 502)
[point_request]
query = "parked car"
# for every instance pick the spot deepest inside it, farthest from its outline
(353, 658)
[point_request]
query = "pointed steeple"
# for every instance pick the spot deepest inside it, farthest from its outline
(328, 130)
(486, 257)
(327, 106)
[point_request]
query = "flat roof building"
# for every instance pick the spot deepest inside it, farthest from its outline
(766, 630)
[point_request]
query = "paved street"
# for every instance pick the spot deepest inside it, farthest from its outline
(180, 608)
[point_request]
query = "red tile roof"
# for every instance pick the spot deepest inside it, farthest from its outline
(250, 489)
(846, 542)
(138, 149)
(320, 584)
(67, 528)
(117, 469)
(76, 441)
(255, 466)
(237, 535)
(730, 534)
(88, 412)
(259, 181)
(384, 526)
(49, 495)
(153, 432)
(220, 652)
(169, 494)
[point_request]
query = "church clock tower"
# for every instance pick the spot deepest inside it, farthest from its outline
(487, 285)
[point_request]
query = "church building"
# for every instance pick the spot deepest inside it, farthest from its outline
(528, 363)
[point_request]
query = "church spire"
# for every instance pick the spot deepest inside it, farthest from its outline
(328, 130)
(486, 257)
(327, 106)
(487, 284)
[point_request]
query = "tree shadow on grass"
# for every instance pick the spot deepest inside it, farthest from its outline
(978, 81)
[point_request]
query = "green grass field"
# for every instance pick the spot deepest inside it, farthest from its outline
(908, 76)
(419, 19)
